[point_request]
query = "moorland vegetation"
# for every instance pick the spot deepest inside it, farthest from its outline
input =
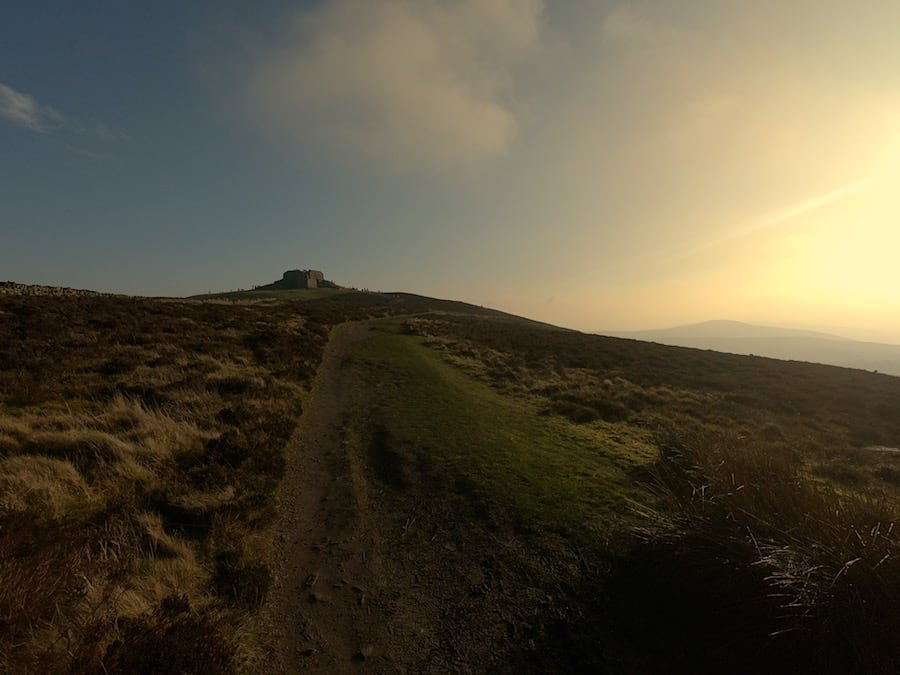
(615, 505)
(765, 534)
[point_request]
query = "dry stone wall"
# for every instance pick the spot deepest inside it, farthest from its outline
(12, 288)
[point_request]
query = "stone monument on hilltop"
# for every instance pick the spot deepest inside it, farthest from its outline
(301, 279)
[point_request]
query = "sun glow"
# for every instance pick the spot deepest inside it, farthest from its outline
(840, 255)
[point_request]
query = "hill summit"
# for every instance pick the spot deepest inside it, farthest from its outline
(294, 279)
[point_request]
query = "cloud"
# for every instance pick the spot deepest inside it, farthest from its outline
(728, 112)
(401, 83)
(88, 153)
(99, 131)
(786, 214)
(23, 110)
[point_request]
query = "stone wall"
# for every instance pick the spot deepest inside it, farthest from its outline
(12, 288)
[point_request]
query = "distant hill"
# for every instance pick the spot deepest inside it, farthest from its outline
(735, 337)
(729, 330)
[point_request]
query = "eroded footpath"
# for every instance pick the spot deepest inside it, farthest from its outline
(324, 603)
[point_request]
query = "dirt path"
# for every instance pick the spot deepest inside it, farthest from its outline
(325, 596)
(437, 575)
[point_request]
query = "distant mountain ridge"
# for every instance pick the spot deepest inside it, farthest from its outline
(735, 337)
(734, 329)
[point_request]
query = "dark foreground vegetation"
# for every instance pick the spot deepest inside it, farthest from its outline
(141, 442)
(765, 540)
(588, 502)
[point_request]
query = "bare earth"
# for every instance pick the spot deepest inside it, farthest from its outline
(327, 582)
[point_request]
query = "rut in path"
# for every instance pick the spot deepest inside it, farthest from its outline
(324, 601)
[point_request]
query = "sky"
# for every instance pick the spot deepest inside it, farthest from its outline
(598, 165)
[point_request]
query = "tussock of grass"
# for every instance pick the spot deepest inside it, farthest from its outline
(822, 566)
(14, 428)
(43, 487)
(151, 428)
(87, 449)
(8, 444)
(169, 567)
(80, 474)
(204, 502)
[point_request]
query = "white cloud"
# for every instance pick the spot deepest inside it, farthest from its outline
(23, 110)
(402, 83)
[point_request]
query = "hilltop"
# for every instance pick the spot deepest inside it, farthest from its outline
(297, 279)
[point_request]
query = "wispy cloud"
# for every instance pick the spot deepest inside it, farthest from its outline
(25, 111)
(403, 83)
(84, 152)
(99, 131)
(792, 211)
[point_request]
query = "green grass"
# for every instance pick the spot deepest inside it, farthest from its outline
(766, 540)
(438, 420)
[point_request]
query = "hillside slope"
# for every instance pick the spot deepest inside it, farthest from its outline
(390, 482)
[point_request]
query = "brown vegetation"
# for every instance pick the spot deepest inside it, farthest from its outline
(830, 416)
(141, 442)
(813, 569)
(767, 537)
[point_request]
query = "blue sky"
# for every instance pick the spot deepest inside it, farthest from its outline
(619, 164)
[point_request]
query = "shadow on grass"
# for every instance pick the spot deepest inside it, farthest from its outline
(387, 463)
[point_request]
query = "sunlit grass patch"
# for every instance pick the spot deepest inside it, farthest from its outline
(439, 420)
(45, 488)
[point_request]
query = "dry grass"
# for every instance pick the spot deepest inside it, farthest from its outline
(136, 449)
(817, 567)
(141, 443)
(768, 537)
(90, 477)
(43, 488)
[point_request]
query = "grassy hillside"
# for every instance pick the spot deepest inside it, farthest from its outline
(549, 472)
(548, 500)
(765, 535)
